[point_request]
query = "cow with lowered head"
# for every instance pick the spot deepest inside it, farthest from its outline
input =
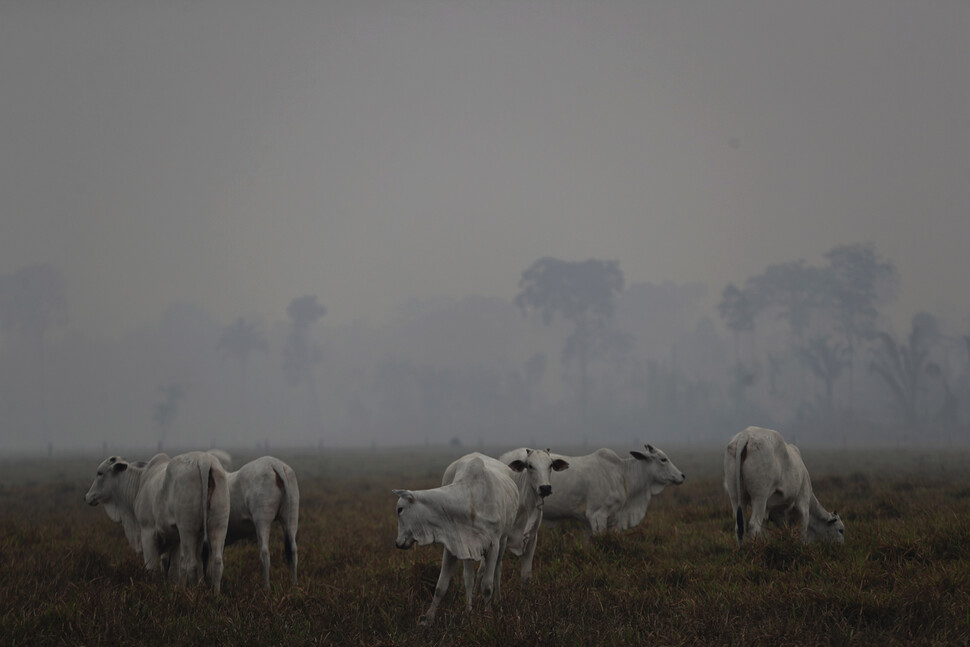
(760, 468)
(176, 509)
(471, 515)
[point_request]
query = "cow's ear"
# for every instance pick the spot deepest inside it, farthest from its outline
(118, 468)
(407, 495)
(517, 465)
(834, 517)
(651, 449)
(640, 456)
(559, 465)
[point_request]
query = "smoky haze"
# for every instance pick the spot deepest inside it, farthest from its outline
(308, 223)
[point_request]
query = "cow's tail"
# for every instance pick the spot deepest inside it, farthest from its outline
(289, 511)
(741, 453)
(205, 471)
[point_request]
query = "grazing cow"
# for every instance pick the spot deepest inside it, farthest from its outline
(471, 514)
(173, 508)
(260, 492)
(609, 492)
(760, 468)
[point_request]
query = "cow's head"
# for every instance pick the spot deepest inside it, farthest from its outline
(830, 529)
(538, 464)
(102, 489)
(405, 510)
(663, 471)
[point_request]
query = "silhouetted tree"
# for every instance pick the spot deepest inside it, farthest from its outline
(860, 281)
(300, 354)
(581, 293)
(827, 360)
(738, 311)
(240, 340)
(795, 291)
(903, 366)
(32, 304)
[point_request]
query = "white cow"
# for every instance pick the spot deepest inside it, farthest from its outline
(472, 515)
(223, 457)
(532, 474)
(261, 492)
(173, 508)
(760, 468)
(606, 491)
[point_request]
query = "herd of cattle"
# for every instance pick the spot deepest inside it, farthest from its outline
(180, 512)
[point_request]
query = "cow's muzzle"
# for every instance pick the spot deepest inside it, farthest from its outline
(404, 545)
(545, 490)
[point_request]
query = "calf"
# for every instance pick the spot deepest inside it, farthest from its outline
(471, 515)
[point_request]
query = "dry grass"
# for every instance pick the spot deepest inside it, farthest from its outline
(67, 576)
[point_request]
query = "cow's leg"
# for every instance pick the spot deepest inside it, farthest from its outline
(497, 587)
(598, 520)
(468, 574)
(448, 564)
(149, 549)
(756, 524)
(289, 547)
(173, 557)
(216, 529)
(262, 538)
(799, 515)
(525, 570)
(492, 557)
(189, 550)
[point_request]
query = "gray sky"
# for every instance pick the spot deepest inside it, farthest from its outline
(239, 154)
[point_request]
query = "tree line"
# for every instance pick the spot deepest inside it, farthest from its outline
(575, 354)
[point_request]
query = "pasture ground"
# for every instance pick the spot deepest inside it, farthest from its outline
(68, 577)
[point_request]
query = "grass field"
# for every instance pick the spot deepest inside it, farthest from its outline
(67, 575)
